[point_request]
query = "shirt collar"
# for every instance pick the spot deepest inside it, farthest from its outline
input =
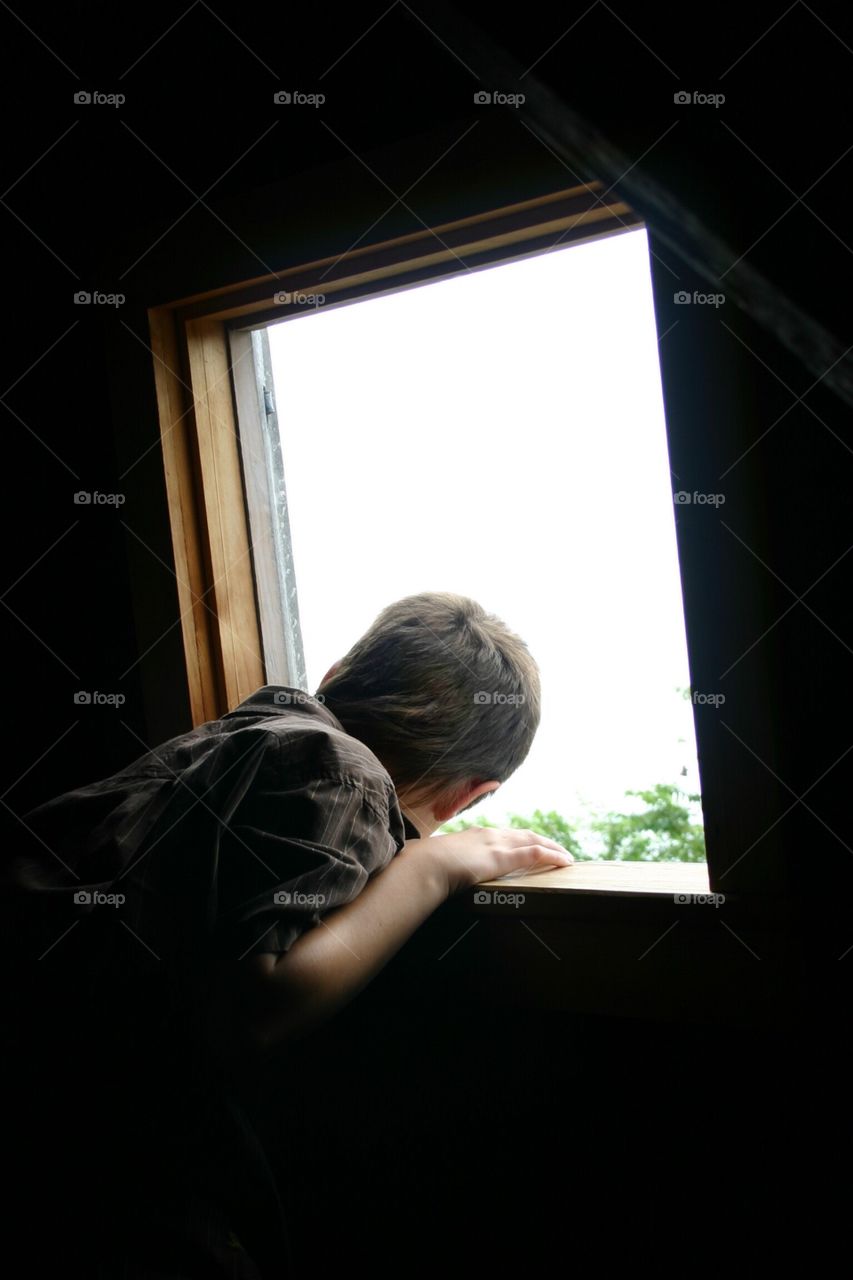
(411, 830)
(279, 699)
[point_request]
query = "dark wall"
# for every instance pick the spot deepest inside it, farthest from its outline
(105, 198)
(199, 179)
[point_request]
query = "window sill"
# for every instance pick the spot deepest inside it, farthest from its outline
(613, 939)
(648, 879)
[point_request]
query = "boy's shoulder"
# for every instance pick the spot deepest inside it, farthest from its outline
(312, 740)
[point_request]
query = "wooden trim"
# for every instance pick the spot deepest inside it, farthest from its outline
(392, 277)
(183, 494)
(195, 389)
(232, 586)
(563, 218)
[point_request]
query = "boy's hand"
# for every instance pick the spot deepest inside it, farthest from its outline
(468, 857)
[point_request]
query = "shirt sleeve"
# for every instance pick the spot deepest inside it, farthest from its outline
(294, 851)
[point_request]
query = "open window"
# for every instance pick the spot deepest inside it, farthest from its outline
(247, 461)
(499, 432)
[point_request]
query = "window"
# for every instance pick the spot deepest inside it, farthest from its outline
(501, 434)
(231, 510)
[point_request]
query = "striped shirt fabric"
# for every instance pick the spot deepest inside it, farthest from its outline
(234, 838)
(134, 897)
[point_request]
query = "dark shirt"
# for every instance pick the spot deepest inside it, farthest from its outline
(139, 895)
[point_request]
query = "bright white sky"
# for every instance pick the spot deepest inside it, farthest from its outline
(501, 434)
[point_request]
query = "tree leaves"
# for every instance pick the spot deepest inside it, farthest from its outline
(664, 831)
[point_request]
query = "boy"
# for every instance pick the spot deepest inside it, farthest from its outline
(238, 886)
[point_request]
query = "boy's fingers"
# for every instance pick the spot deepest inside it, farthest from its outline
(543, 840)
(541, 853)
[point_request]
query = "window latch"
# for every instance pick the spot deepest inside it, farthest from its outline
(269, 407)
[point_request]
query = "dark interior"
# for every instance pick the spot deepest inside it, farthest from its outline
(500, 1108)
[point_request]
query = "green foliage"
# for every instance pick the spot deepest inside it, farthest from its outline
(662, 832)
(546, 824)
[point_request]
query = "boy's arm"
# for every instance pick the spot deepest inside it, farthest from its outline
(326, 967)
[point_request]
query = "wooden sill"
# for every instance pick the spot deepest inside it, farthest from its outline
(625, 879)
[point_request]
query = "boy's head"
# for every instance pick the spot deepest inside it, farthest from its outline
(443, 693)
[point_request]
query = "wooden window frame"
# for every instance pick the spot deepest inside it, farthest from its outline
(219, 607)
(220, 587)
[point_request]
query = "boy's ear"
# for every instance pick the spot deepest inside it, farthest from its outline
(332, 669)
(462, 798)
(445, 808)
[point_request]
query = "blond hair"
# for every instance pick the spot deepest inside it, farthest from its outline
(441, 691)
